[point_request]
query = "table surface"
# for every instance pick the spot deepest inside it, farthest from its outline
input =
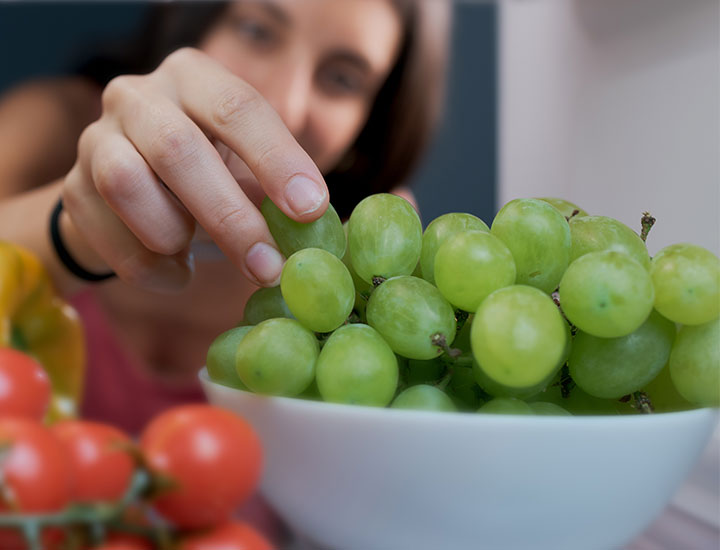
(690, 522)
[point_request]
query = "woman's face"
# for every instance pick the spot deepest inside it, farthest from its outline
(319, 63)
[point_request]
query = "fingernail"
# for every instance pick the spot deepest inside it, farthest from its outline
(265, 263)
(304, 195)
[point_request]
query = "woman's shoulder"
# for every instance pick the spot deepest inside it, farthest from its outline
(42, 119)
(73, 96)
(70, 92)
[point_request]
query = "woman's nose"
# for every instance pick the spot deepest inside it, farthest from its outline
(289, 94)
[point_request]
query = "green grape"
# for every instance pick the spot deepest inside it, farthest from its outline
(318, 289)
(311, 393)
(220, 361)
(464, 390)
(356, 366)
(424, 397)
(357, 315)
(518, 337)
(496, 389)
(568, 343)
(417, 272)
(598, 233)
(695, 363)
(606, 294)
(470, 265)
(462, 339)
(664, 395)
(505, 405)
(437, 232)
(326, 232)
(686, 278)
(362, 288)
(538, 236)
(581, 403)
(409, 312)
(545, 408)
(384, 237)
(265, 303)
(423, 371)
(277, 357)
(613, 367)
(566, 208)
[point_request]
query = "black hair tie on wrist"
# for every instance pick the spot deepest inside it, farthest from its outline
(67, 260)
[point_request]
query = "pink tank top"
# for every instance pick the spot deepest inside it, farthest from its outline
(117, 389)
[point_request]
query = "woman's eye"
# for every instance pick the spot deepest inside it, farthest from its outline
(255, 31)
(342, 82)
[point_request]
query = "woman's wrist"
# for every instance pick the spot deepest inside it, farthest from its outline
(82, 262)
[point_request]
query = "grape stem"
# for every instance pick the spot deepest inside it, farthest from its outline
(354, 317)
(463, 361)
(641, 402)
(574, 213)
(323, 337)
(646, 222)
(445, 380)
(566, 382)
(556, 298)
(377, 280)
(460, 317)
(438, 339)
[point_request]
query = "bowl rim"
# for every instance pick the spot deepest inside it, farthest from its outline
(309, 405)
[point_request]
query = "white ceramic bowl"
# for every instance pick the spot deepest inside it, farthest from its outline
(361, 478)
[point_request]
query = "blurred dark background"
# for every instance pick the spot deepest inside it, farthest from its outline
(39, 39)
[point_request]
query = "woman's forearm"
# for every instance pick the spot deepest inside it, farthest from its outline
(24, 220)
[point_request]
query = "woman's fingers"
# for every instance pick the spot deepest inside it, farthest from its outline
(180, 154)
(148, 169)
(113, 241)
(235, 113)
(131, 189)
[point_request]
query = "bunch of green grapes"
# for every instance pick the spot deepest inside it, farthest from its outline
(548, 311)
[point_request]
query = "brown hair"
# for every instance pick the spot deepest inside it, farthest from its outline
(404, 114)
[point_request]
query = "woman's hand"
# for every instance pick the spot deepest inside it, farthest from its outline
(148, 170)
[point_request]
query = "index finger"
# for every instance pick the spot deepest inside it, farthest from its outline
(234, 112)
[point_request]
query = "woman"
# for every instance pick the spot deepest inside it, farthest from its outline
(305, 102)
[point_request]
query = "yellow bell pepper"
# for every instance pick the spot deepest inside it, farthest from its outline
(35, 320)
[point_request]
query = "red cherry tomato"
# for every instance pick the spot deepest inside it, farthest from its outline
(36, 471)
(24, 385)
(125, 542)
(234, 535)
(52, 538)
(212, 455)
(36, 476)
(103, 466)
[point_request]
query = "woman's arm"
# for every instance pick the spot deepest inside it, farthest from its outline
(147, 171)
(40, 124)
